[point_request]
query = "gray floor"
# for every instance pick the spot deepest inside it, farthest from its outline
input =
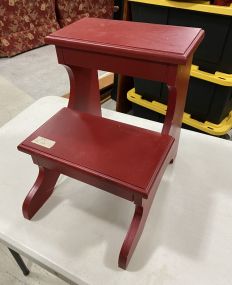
(28, 77)
(36, 72)
(10, 273)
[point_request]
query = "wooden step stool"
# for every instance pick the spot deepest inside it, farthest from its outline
(122, 159)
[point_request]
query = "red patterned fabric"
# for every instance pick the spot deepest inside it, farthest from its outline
(24, 24)
(72, 10)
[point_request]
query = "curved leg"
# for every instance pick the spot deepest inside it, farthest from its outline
(40, 192)
(84, 81)
(168, 122)
(142, 208)
(133, 234)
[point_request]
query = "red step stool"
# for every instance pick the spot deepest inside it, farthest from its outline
(121, 159)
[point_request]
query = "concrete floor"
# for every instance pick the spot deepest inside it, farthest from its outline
(10, 273)
(37, 73)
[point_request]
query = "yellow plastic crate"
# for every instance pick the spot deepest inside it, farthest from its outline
(206, 127)
(214, 53)
(219, 78)
(191, 5)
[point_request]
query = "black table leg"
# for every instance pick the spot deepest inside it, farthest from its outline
(19, 261)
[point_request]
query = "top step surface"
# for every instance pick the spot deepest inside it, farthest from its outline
(169, 44)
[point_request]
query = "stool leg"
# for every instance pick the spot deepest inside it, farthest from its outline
(133, 235)
(20, 262)
(40, 192)
(84, 90)
(142, 208)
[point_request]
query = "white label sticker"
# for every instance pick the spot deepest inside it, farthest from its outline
(44, 142)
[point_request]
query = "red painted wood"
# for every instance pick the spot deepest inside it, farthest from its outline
(142, 208)
(103, 147)
(154, 70)
(40, 192)
(124, 160)
(84, 81)
(176, 103)
(158, 43)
